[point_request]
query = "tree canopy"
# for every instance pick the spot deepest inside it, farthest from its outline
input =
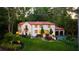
(10, 16)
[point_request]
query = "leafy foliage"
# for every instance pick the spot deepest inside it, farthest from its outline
(51, 31)
(3, 20)
(59, 16)
(8, 46)
(11, 16)
(42, 30)
(11, 42)
(9, 37)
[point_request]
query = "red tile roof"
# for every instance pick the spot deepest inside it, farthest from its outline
(41, 23)
(59, 28)
(21, 23)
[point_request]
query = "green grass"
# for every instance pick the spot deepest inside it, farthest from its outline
(37, 44)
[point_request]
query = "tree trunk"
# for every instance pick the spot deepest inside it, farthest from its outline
(77, 11)
(9, 21)
(12, 27)
(78, 32)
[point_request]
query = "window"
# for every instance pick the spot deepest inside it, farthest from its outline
(56, 33)
(41, 25)
(48, 26)
(61, 33)
(36, 31)
(36, 26)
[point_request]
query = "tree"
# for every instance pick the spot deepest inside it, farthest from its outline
(3, 22)
(15, 14)
(78, 26)
(11, 18)
(21, 13)
(56, 15)
(40, 14)
(42, 30)
(51, 31)
(77, 12)
(59, 16)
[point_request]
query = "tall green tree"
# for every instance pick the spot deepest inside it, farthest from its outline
(61, 17)
(15, 15)
(51, 31)
(11, 18)
(3, 21)
(77, 12)
(40, 14)
(57, 15)
(42, 30)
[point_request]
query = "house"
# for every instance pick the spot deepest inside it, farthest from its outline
(33, 28)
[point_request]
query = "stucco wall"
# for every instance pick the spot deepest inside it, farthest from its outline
(45, 27)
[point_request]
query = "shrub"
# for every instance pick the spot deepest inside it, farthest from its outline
(51, 31)
(9, 37)
(39, 35)
(8, 46)
(48, 37)
(42, 31)
(70, 38)
(17, 37)
(47, 34)
(12, 41)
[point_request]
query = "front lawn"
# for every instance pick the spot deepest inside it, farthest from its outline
(16, 42)
(37, 44)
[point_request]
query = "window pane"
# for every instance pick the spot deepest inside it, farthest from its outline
(36, 31)
(61, 33)
(56, 33)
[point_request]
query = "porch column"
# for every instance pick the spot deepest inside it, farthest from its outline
(63, 32)
(59, 33)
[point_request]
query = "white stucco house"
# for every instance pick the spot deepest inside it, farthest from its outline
(33, 28)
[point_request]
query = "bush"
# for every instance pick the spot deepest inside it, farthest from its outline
(70, 38)
(39, 35)
(12, 41)
(8, 46)
(48, 37)
(17, 37)
(9, 37)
